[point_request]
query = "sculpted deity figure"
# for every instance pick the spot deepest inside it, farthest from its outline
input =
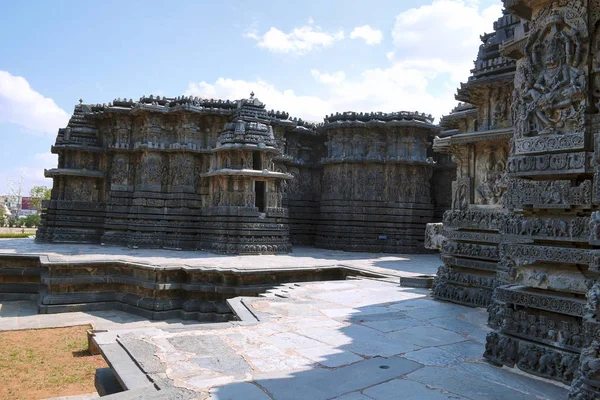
(493, 185)
(551, 100)
(499, 110)
(461, 197)
(120, 170)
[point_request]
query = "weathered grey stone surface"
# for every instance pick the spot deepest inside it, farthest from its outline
(240, 390)
(163, 284)
(332, 352)
(409, 390)
(232, 177)
(375, 189)
(524, 223)
(477, 135)
(434, 238)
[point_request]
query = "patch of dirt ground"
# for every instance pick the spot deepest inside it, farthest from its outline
(42, 363)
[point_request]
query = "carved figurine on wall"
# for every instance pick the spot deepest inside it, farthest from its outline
(461, 196)
(493, 182)
(499, 109)
(553, 100)
(120, 170)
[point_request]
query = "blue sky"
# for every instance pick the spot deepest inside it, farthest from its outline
(309, 58)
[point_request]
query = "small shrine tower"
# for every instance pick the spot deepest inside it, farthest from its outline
(245, 214)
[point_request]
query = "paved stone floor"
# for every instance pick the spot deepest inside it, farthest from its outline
(358, 339)
(301, 257)
(348, 340)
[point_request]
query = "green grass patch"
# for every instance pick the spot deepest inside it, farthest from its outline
(15, 235)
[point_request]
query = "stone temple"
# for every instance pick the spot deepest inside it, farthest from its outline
(232, 177)
(511, 172)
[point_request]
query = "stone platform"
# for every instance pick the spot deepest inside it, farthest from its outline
(162, 284)
(357, 339)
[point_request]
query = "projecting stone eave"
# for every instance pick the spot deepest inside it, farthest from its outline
(50, 173)
(55, 149)
(470, 137)
(471, 112)
(449, 122)
(245, 146)
(373, 160)
(247, 172)
(467, 91)
(375, 122)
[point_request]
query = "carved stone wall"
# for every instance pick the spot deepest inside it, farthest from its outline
(302, 194)
(232, 177)
(544, 311)
(477, 136)
(375, 190)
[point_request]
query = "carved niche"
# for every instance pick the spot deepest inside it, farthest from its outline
(550, 83)
(500, 107)
(152, 169)
(491, 175)
(182, 170)
(121, 130)
(120, 170)
(461, 193)
(79, 189)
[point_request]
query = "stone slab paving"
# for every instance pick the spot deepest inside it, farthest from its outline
(357, 339)
(301, 257)
(15, 315)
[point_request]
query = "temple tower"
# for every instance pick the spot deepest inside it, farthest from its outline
(245, 212)
(477, 135)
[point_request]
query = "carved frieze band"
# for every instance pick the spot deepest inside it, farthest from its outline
(550, 329)
(472, 236)
(474, 219)
(449, 274)
(517, 226)
(527, 254)
(547, 194)
(548, 164)
(574, 230)
(533, 358)
(542, 301)
(468, 263)
(470, 250)
(461, 294)
(548, 144)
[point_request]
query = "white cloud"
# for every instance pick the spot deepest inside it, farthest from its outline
(336, 77)
(23, 106)
(369, 35)
(307, 107)
(434, 46)
(444, 34)
(299, 41)
(399, 87)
